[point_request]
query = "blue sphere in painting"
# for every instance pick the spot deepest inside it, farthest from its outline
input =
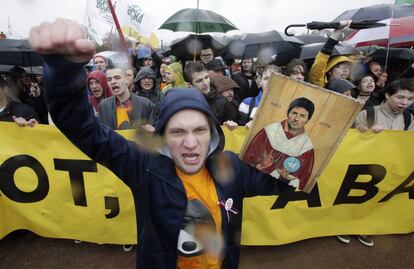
(291, 164)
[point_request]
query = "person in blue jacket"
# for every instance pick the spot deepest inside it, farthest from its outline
(189, 195)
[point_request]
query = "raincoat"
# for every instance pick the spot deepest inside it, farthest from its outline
(324, 63)
(177, 70)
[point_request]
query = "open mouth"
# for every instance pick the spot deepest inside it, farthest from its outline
(190, 158)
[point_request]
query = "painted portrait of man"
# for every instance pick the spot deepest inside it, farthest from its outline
(283, 149)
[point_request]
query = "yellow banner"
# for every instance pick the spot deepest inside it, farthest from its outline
(49, 187)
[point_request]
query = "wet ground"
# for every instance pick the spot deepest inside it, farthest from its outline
(389, 251)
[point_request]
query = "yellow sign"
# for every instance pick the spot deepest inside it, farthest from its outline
(49, 187)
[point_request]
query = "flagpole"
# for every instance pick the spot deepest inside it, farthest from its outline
(389, 40)
(195, 43)
(86, 14)
(118, 28)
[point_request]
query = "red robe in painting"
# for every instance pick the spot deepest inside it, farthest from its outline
(273, 144)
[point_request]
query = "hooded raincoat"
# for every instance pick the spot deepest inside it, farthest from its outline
(177, 70)
(154, 95)
(324, 62)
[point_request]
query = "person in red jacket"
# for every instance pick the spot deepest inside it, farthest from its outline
(98, 87)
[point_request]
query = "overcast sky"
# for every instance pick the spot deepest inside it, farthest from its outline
(247, 15)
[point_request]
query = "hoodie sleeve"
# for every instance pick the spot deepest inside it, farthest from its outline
(318, 69)
(71, 112)
(255, 182)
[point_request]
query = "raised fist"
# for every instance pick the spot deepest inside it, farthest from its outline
(62, 37)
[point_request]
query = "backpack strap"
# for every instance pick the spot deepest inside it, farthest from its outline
(407, 119)
(370, 116)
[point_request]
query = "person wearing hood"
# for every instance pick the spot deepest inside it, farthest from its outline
(327, 66)
(228, 88)
(188, 194)
(174, 77)
(197, 75)
(98, 88)
(146, 86)
(101, 63)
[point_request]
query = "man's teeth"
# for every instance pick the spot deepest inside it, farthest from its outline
(190, 156)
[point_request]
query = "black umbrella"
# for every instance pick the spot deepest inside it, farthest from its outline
(310, 51)
(377, 12)
(5, 68)
(285, 57)
(185, 48)
(18, 52)
(395, 55)
(309, 39)
(318, 25)
(263, 45)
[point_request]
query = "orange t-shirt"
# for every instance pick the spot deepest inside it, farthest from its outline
(200, 241)
(122, 114)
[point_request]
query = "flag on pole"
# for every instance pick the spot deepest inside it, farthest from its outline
(136, 23)
(98, 20)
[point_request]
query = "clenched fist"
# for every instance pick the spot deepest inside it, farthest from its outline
(63, 37)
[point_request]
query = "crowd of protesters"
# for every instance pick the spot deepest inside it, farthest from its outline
(125, 99)
(233, 92)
